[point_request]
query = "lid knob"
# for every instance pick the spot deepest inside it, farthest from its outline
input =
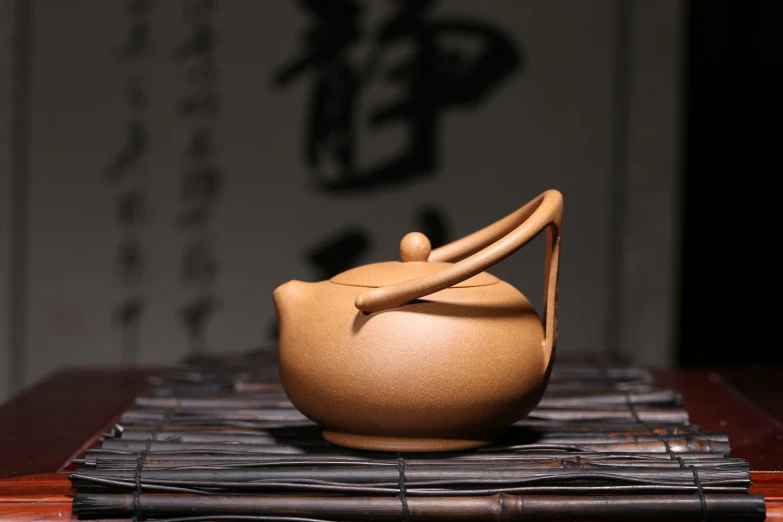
(415, 247)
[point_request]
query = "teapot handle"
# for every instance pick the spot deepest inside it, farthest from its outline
(492, 244)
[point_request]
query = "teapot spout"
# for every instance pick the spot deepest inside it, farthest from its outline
(286, 298)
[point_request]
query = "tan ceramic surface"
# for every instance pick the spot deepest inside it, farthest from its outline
(423, 355)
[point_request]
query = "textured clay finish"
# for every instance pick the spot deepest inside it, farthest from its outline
(423, 354)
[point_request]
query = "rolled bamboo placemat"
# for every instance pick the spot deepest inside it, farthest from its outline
(215, 438)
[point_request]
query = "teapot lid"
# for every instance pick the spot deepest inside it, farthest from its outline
(414, 250)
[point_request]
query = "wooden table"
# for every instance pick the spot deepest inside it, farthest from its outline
(47, 425)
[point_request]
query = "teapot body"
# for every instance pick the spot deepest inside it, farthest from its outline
(441, 373)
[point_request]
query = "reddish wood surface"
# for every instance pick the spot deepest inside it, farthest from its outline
(746, 403)
(762, 386)
(45, 426)
(55, 420)
(714, 401)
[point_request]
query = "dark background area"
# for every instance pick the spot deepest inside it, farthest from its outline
(733, 140)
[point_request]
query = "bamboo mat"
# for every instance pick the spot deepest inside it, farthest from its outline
(217, 439)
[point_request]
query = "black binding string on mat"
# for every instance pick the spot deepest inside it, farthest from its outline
(403, 497)
(651, 430)
(159, 427)
(137, 479)
(672, 455)
(700, 492)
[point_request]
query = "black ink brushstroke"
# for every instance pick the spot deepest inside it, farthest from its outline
(131, 207)
(131, 261)
(135, 95)
(196, 10)
(128, 317)
(201, 183)
(198, 264)
(202, 41)
(140, 8)
(339, 252)
(200, 144)
(206, 105)
(432, 222)
(127, 157)
(136, 45)
(195, 217)
(434, 79)
(194, 317)
(335, 29)
(203, 72)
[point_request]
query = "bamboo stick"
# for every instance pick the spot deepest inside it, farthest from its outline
(495, 508)
(313, 459)
(684, 445)
(313, 437)
(223, 463)
(422, 472)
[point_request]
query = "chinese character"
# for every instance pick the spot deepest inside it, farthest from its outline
(130, 260)
(194, 10)
(138, 41)
(435, 77)
(202, 184)
(128, 313)
(129, 154)
(431, 222)
(338, 254)
(195, 316)
(195, 216)
(199, 263)
(200, 145)
(202, 72)
(202, 41)
(205, 105)
(135, 95)
(131, 207)
(128, 316)
(141, 8)
(336, 87)
(199, 191)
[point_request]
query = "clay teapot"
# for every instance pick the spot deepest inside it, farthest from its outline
(423, 354)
